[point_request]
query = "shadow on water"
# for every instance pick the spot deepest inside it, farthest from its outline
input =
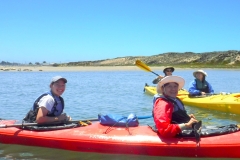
(19, 152)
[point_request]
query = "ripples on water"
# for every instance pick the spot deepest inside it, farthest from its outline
(93, 92)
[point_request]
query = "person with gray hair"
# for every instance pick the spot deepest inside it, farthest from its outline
(49, 106)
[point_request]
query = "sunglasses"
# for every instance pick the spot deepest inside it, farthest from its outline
(168, 70)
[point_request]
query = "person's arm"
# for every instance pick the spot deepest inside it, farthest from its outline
(156, 80)
(210, 88)
(193, 88)
(162, 117)
(46, 103)
(43, 118)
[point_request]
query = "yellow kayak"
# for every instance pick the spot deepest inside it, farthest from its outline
(151, 90)
(229, 103)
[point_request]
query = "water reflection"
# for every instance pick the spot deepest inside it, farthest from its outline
(213, 117)
(19, 152)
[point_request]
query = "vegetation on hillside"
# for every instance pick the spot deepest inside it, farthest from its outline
(220, 59)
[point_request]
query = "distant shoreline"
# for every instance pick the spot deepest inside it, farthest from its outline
(84, 68)
(72, 68)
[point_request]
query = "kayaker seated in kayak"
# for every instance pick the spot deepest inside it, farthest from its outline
(167, 72)
(200, 86)
(49, 106)
(169, 113)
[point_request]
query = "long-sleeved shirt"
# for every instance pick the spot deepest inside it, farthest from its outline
(193, 90)
(162, 113)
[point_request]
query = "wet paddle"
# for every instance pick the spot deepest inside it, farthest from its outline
(144, 67)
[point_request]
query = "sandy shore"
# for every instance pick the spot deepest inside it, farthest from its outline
(85, 68)
(79, 68)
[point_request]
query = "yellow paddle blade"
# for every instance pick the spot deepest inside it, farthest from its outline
(142, 65)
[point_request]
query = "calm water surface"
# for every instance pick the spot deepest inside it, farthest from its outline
(93, 92)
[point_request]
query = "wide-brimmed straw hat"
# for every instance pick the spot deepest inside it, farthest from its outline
(199, 71)
(168, 79)
(168, 68)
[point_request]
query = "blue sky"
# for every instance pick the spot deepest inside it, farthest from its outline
(81, 30)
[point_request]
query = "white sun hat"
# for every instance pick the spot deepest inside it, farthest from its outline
(179, 80)
(199, 71)
(56, 78)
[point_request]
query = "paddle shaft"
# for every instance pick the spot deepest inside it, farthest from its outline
(144, 117)
(155, 73)
(36, 124)
(204, 96)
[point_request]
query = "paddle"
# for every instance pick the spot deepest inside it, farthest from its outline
(204, 96)
(67, 122)
(37, 124)
(197, 132)
(144, 117)
(144, 67)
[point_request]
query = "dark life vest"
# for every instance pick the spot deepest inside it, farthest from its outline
(204, 89)
(32, 114)
(179, 116)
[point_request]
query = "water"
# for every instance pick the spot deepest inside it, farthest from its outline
(89, 93)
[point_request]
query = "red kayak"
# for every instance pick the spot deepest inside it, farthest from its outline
(139, 140)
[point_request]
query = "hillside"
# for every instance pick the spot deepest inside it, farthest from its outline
(223, 59)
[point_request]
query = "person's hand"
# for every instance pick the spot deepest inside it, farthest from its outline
(68, 118)
(189, 124)
(160, 77)
(63, 117)
(203, 93)
(192, 116)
